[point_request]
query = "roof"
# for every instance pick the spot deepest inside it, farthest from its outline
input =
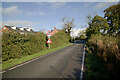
(55, 30)
(18, 29)
(9, 27)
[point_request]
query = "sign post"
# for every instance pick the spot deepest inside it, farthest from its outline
(49, 46)
(49, 35)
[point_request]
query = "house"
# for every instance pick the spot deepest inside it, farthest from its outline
(54, 31)
(29, 29)
(21, 30)
(9, 28)
(6, 29)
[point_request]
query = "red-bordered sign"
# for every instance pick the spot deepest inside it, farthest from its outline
(49, 41)
(49, 33)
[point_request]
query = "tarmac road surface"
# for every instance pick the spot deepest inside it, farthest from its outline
(63, 63)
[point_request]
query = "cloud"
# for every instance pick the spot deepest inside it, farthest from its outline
(60, 0)
(0, 17)
(19, 23)
(11, 10)
(0, 9)
(88, 4)
(76, 10)
(53, 5)
(40, 3)
(40, 13)
(56, 5)
(0, 14)
(103, 5)
(60, 23)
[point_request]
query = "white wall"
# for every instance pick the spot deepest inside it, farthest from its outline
(21, 28)
(75, 32)
(13, 27)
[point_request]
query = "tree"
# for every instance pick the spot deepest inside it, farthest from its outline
(112, 14)
(97, 25)
(68, 24)
(88, 32)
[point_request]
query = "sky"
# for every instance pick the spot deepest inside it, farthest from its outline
(47, 15)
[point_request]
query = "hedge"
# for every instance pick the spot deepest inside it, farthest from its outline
(108, 50)
(16, 45)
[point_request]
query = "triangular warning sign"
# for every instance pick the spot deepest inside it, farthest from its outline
(49, 33)
(49, 41)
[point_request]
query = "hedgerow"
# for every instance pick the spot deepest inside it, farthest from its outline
(108, 50)
(16, 45)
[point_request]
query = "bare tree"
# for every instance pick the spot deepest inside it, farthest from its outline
(68, 24)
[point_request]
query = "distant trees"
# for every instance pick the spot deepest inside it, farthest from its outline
(109, 24)
(68, 24)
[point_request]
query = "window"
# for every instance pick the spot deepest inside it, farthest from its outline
(4, 28)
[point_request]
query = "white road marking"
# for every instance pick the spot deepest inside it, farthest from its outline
(82, 68)
(30, 61)
(2, 72)
(27, 62)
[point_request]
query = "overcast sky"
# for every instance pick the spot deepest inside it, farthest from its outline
(47, 15)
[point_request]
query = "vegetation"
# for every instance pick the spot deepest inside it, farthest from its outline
(68, 24)
(16, 45)
(12, 62)
(102, 43)
(109, 24)
(107, 48)
(112, 14)
(60, 37)
(95, 68)
(98, 25)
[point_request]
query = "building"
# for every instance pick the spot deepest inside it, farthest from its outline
(21, 30)
(77, 32)
(54, 31)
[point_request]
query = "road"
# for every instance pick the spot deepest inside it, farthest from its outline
(63, 63)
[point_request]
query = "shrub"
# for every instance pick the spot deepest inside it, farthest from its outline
(16, 45)
(108, 49)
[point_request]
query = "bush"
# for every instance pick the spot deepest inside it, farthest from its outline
(16, 45)
(59, 39)
(108, 49)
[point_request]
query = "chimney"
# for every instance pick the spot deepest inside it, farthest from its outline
(54, 28)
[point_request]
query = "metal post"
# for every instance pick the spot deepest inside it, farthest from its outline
(49, 46)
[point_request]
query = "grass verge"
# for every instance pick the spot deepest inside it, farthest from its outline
(13, 62)
(95, 68)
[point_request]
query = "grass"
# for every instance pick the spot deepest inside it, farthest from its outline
(107, 49)
(95, 68)
(12, 62)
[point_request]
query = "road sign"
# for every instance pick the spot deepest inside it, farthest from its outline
(49, 41)
(49, 33)
(48, 36)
